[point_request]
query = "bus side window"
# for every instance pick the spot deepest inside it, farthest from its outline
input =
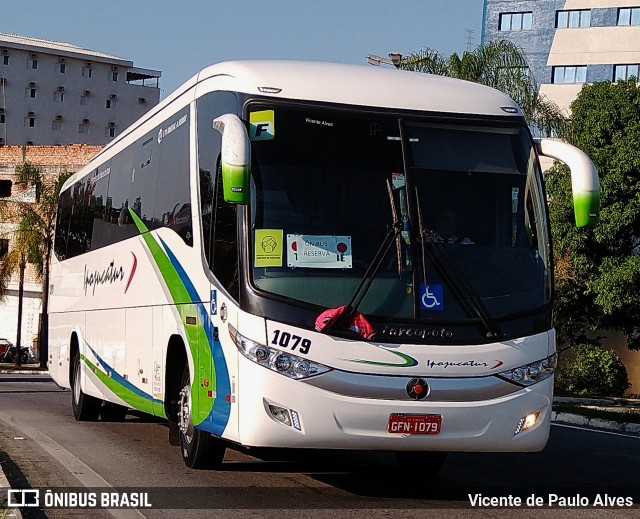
(225, 240)
(62, 224)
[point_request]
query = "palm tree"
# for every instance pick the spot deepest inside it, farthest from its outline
(32, 240)
(498, 64)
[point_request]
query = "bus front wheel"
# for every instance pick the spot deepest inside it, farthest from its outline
(200, 449)
(85, 407)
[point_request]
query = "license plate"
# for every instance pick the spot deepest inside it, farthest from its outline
(415, 423)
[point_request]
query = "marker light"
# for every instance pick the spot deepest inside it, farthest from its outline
(532, 373)
(281, 362)
(527, 422)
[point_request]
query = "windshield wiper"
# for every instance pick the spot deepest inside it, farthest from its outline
(453, 276)
(370, 274)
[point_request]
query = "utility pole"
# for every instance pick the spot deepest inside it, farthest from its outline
(470, 40)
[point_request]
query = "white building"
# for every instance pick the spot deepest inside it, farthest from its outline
(59, 93)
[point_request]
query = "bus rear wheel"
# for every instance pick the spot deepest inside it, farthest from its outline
(85, 407)
(428, 462)
(200, 450)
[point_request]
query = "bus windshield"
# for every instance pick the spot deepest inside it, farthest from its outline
(329, 184)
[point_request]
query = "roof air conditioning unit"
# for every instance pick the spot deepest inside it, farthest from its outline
(32, 84)
(114, 68)
(29, 143)
(61, 60)
(31, 114)
(88, 64)
(113, 96)
(142, 100)
(1, 110)
(111, 125)
(59, 118)
(86, 121)
(60, 89)
(32, 55)
(86, 93)
(4, 51)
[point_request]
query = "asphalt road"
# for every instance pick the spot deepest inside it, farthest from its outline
(42, 446)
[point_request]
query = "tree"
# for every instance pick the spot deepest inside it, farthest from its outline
(498, 64)
(32, 240)
(598, 270)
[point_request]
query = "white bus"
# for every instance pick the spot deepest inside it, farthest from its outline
(262, 260)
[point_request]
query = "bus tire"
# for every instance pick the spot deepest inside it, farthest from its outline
(110, 412)
(86, 408)
(427, 462)
(200, 450)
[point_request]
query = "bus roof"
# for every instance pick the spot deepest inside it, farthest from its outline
(363, 85)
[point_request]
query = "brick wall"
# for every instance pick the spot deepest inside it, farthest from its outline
(70, 157)
(52, 160)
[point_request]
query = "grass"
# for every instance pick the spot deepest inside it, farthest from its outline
(621, 417)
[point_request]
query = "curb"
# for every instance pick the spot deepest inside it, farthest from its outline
(4, 371)
(595, 423)
(11, 513)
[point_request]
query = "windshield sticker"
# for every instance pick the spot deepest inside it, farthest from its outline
(262, 125)
(268, 248)
(316, 251)
(431, 297)
(397, 180)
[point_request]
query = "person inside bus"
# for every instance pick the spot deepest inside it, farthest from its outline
(446, 227)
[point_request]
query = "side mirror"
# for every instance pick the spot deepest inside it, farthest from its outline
(585, 184)
(235, 158)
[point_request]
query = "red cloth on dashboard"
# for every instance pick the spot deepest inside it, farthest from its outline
(358, 322)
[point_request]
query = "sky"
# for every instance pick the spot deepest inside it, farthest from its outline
(181, 37)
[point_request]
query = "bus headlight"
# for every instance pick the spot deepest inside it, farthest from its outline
(532, 373)
(281, 362)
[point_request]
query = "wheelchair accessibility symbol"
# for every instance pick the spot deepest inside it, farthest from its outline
(431, 297)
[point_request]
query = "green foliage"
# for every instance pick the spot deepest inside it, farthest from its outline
(598, 270)
(498, 64)
(593, 372)
(32, 235)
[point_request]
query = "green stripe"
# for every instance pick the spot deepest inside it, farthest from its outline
(196, 336)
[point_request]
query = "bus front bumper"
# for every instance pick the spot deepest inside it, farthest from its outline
(322, 419)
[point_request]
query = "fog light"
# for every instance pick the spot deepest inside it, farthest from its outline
(281, 414)
(527, 422)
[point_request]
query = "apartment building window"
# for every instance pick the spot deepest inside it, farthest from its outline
(629, 16)
(570, 74)
(110, 103)
(85, 98)
(84, 126)
(624, 72)
(573, 19)
(87, 71)
(30, 120)
(2, 116)
(58, 95)
(4, 242)
(31, 91)
(114, 76)
(62, 68)
(516, 21)
(56, 124)
(32, 63)
(5, 59)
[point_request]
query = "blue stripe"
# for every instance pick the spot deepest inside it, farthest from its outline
(122, 381)
(219, 415)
